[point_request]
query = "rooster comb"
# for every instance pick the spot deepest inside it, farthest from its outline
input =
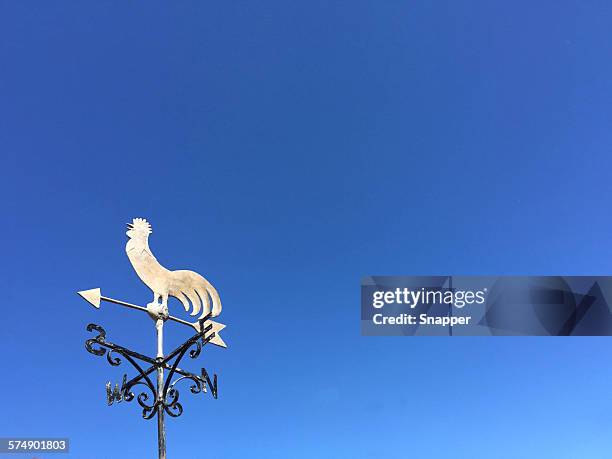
(140, 224)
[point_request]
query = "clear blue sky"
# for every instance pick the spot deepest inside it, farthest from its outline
(285, 150)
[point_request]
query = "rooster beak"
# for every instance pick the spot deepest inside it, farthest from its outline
(130, 226)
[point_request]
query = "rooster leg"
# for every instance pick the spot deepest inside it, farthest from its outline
(157, 310)
(164, 302)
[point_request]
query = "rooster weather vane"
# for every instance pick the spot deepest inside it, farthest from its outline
(195, 293)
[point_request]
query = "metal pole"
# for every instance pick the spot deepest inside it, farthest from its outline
(161, 429)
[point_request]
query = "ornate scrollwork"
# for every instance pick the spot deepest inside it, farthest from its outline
(148, 411)
(98, 340)
(99, 346)
(194, 353)
(195, 388)
(168, 398)
(171, 403)
(114, 361)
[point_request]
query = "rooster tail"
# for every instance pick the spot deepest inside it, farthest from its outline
(216, 300)
(190, 287)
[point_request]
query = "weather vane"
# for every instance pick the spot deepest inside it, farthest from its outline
(195, 293)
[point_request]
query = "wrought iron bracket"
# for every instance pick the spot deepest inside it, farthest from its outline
(168, 398)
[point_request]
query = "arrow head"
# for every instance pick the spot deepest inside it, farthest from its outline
(92, 296)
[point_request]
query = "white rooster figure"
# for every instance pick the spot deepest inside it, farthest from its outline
(186, 286)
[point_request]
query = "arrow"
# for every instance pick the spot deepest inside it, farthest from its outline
(94, 297)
